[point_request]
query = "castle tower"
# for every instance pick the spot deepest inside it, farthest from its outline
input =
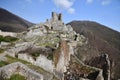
(56, 17)
(60, 17)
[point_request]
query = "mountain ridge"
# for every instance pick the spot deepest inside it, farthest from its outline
(12, 23)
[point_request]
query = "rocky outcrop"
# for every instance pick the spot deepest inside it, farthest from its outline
(14, 68)
(8, 33)
(40, 61)
(13, 51)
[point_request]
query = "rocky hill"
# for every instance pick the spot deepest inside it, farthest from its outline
(49, 51)
(52, 50)
(12, 23)
(101, 40)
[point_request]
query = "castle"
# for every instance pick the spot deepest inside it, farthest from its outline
(55, 23)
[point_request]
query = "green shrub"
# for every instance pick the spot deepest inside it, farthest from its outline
(17, 77)
(36, 54)
(50, 56)
(8, 39)
(1, 50)
(3, 63)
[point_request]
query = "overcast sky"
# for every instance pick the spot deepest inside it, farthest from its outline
(106, 12)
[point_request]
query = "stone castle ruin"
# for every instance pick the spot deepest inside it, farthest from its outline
(50, 46)
(56, 17)
(55, 23)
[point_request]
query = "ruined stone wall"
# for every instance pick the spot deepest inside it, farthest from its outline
(19, 47)
(103, 63)
(40, 61)
(77, 70)
(63, 59)
(21, 69)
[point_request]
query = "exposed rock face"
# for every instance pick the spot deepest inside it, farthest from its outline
(18, 48)
(20, 68)
(7, 34)
(41, 61)
(34, 32)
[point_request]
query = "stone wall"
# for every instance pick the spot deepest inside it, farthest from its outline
(103, 63)
(19, 68)
(63, 56)
(18, 48)
(77, 70)
(40, 61)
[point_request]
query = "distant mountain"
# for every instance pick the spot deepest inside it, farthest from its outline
(12, 23)
(101, 39)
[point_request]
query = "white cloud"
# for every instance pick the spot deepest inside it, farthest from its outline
(106, 2)
(102, 2)
(71, 10)
(89, 1)
(65, 4)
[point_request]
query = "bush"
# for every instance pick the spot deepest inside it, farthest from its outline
(8, 39)
(17, 77)
(36, 54)
(1, 50)
(50, 56)
(3, 63)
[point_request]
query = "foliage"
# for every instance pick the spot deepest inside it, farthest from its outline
(50, 56)
(13, 59)
(36, 54)
(3, 63)
(8, 39)
(46, 44)
(76, 64)
(17, 77)
(1, 50)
